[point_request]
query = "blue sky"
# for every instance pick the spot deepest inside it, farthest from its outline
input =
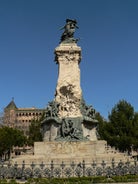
(29, 33)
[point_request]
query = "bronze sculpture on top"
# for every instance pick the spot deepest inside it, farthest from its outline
(67, 117)
(69, 29)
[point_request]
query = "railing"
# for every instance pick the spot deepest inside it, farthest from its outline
(52, 170)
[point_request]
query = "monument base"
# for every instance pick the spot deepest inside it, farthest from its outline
(69, 152)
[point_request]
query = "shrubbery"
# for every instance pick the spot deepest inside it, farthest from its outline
(81, 180)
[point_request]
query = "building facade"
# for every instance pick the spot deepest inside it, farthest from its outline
(20, 118)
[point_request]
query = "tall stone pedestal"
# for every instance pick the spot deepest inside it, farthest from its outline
(67, 117)
(68, 90)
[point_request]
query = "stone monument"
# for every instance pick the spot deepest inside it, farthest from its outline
(69, 126)
(67, 117)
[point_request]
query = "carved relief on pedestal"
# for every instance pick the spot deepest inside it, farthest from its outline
(69, 52)
(68, 57)
(68, 90)
(69, 108)
(69, 102)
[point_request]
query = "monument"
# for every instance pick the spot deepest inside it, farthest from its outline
(67, 117)
(69, 126)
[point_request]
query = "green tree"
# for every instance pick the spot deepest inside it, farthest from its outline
(10, 137)
(121, 130)
(135, 131)
(34, 131)
(101, 125)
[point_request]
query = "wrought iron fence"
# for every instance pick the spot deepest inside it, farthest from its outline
(52, 170)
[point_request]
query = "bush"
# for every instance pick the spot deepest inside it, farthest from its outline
(4, 181)
(75, 180)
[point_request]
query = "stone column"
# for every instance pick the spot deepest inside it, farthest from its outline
(67, 117)
(68, 90)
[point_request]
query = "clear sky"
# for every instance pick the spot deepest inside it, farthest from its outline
(29, 33)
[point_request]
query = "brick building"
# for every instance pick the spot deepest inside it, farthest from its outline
(20, 118)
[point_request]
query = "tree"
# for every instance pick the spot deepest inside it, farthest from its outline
(135, 131)
(10, 137)
(122, 129)
(101, 125)
(34, 131)
(1, 118)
